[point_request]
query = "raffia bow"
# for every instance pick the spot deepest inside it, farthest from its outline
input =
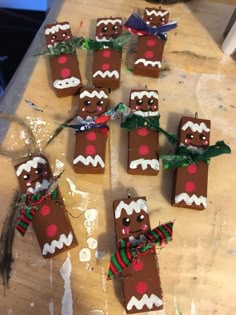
(136, 25)
(185, 156)
(128, 252)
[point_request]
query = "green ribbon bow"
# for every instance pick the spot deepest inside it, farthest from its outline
(116, 43)
(185, 156)
(135, 121)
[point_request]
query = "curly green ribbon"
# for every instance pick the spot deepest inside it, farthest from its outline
(65, 47)
(116, 43)
(128, 252)
(135, 121)
(185, 156)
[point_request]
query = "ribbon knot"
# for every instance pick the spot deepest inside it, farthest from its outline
(136, 25)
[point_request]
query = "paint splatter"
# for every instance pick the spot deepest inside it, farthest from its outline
(51, 307)
(92, 243)
(90, 221)
(99, 254)
(193, 310)
(67, 301)
(85, 255)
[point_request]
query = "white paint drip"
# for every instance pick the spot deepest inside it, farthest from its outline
(74, 190)
(85, 255)
(50, 274)
(10, 312)
(51, 307)
(32, 304)
(67, 301)
(193, 310)
(104, 280)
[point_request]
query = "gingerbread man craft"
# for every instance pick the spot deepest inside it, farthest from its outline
(191, 163)
(107, 60)
(135, 258)
(42, 204)
(63, 59)
(91, 138)
(143, 135)
(152, 37)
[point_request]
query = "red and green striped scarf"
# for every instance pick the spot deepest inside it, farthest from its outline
(29, 205)
(128, 252)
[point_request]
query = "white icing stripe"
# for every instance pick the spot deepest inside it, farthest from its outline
(63, 240)
(156, 13)
(55, 28)
(193, 149)
(149, 302)
(106, 74)
(98, 94)
(146, 114)
(134, 206)
(39, 186)
(141, 94)
(66, 83)
(89, 160)
(148, 62)
(189, 200)
(109, 21)
(29, 164)
(195, 127)
(103, 39)
(154, 164)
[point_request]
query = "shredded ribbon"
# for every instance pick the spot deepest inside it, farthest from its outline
(136, 25)
(185, 156)
(31, 203)
(117, 43)
(128, 252)
(89, 123)
(65, 47)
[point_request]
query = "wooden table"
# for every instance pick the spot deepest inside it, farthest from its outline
(197, 267)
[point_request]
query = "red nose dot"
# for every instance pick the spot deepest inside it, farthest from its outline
(105, 66)
(51, 230)
(143, 150)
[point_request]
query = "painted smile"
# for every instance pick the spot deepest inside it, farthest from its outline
(135, 231)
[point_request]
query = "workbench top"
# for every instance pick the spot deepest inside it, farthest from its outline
(197, 267)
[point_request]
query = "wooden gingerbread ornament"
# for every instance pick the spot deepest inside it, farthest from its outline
(191, 163)
(135, 258)
(91, 138)
(42, 204)
(63, 59)
(152, 38)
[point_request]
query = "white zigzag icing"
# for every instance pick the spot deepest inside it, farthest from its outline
(189, 200)
(98, 94)
(109, 21)
(55, 28)
(148, 62)
(66, 83)
(144, 301)
(89, 160)
(153, 163)
(29, 164)
(106, 74)
(134, 206)
(156, 13)
(195, 127)
(146, 114)
(141, 94)
(63, 240)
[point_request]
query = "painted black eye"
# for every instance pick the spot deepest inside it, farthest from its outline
(104, 29)
(189, 136)
(202, 136)
(26, 177)
(54, 37)
(100, 103)
(87, 103)
(150, 18)
(163, 19)
(38, 171)
(64, 34)
(126, 221)
(150, 102)
(115, 27)
(139, 102)
(140, 218)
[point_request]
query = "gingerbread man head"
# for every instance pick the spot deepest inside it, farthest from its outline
(155, 17)
(56, 33)
(108, 29)
(144, 102)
